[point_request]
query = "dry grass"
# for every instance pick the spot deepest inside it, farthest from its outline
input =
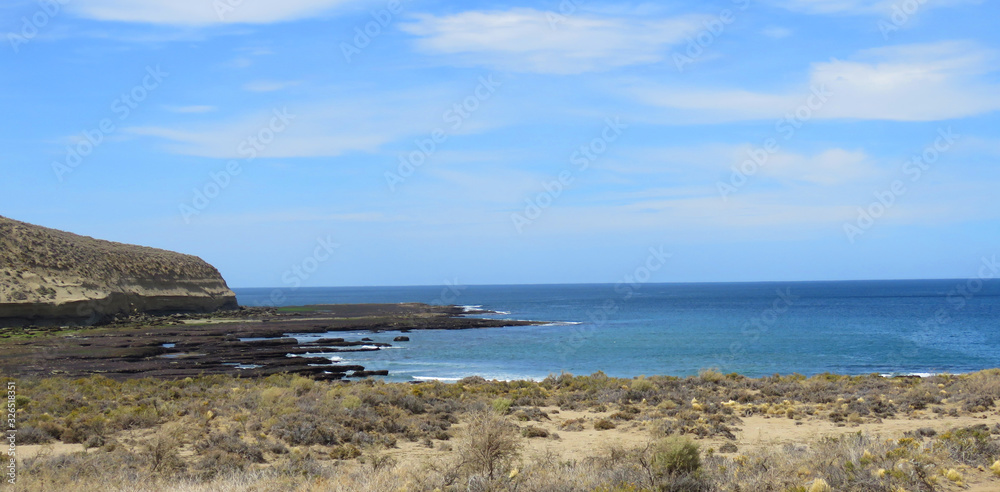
(292, 433)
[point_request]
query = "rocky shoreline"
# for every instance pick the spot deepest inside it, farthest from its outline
(250, 342)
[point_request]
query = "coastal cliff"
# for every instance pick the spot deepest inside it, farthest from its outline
(52, 277)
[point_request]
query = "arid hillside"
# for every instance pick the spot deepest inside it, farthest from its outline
(55, 277)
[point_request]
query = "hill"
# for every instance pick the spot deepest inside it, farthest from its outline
(52, 277)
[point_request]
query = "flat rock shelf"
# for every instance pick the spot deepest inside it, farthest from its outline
(250, 342)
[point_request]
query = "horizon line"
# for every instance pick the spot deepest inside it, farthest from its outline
(701, 282)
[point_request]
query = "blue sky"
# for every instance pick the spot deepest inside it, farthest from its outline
(511, 142)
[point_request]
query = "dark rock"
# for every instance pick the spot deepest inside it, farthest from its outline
(401, 339)
(365, 374)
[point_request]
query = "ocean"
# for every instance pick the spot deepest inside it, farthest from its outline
(756, 329)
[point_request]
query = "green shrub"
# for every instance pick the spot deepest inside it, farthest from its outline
(642, 385)
(502, 405)
(710, 376)
(674, 456)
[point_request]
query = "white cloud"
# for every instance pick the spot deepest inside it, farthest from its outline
(348, 122)
(190, 109)
(922, 82)
(828, 168)
(529, 40)
(246, 58)
(777, 32)
(859, 7)
(269, 85)
(238, 62)
(202, 12)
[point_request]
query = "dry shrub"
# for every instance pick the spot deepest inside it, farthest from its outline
(490, 444)
(345, 452)
(163, 454)
(532, 431)
(970, 445)
(604, 424)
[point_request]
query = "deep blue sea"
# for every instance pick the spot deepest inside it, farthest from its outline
(756, 329)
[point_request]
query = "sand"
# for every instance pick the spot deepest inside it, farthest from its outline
(756, 432)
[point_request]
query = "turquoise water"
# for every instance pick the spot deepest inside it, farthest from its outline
(857, 327)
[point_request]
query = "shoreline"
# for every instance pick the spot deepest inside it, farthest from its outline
(256, 342)
(250, 342)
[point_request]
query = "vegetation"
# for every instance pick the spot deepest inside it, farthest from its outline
(288, 432)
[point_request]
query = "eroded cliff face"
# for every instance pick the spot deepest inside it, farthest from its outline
(50, 277)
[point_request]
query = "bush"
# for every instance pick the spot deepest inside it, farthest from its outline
(674, 456)
(532, 431)
(604, 424)
(490, 443)
(345, 452)
(642, 385)
(301, 429)
(232, 444)
(33, 435)
(162, 454)
(711, 376)
(502, 405)
(132, 417)
(970, 445)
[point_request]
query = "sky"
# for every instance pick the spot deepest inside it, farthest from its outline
(360, 142)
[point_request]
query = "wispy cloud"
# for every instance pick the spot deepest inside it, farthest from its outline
(269, 85)
(922, 82)
(529, 40)
(828, 168)
(190, 109)
(201, 12)
(329, 127)
(777, 32)
(857, 7)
